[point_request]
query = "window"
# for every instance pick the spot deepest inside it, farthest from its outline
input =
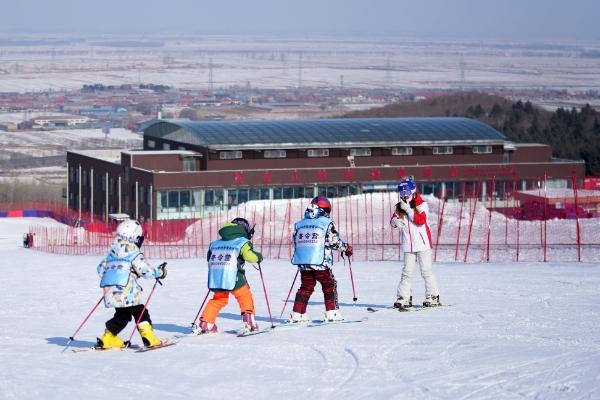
(443, 150)
(275, 154)
(318, 152)
(230, 155)
(151, 144)
(189, 164)
(362, 152)
(482, 149)
(166, 146)
(402, 151)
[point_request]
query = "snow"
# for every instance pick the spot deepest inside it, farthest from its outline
(526, 330)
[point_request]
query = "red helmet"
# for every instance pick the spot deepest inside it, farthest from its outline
(323, 203)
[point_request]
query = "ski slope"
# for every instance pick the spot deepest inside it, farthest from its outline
(527, 330)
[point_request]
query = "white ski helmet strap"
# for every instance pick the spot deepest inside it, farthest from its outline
(130, 230)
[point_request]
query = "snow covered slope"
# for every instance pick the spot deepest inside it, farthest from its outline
(523, 330)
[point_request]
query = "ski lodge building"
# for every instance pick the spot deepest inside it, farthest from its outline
(188, 168)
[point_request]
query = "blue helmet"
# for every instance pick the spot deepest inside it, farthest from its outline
(407, 188)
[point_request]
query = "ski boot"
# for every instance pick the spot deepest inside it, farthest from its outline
(147, 334)
(297, 318)
(205, 327)
(250, 324)
(333, 316)
(431, 301)
(402, 304)
(109, 341)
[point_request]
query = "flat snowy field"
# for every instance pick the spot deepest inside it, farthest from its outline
(527, 330)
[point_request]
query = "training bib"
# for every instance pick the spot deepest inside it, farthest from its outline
(222, 266)
(309, 239)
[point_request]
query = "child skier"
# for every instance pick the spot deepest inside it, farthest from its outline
(410, 216)
(226, 258)
(119, 273)
(314, 238)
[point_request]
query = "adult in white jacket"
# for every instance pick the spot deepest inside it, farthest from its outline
(410, 216)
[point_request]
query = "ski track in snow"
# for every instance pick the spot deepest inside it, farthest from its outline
(514, 331)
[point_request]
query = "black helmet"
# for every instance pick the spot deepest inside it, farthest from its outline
(245, 224)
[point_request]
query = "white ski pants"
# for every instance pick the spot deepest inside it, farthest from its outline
(425, 262)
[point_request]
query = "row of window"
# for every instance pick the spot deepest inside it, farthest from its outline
(358, 152)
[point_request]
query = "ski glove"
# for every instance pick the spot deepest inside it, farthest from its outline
(161, 271)
(404, 206)
(349, 251)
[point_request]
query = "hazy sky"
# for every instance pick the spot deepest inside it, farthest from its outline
(466, 19)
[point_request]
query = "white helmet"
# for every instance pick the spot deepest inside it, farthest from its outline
(131, 231)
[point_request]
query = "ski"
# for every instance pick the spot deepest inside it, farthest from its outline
(95, 348)
(409, 309)
(244, 333)
(289, 325)
(163, 344)
(325, 323)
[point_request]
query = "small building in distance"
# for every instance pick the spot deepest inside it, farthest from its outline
(187, 168)
(59, 121)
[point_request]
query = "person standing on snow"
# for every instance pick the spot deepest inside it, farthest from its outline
(315, 238)
(226, 258)
(119, 273)
(410, 216)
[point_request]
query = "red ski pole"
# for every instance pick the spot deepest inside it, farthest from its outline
(72, 337)
(128, 343)
(354, 298)
(200, 310)
(266, 297)
(290, 292)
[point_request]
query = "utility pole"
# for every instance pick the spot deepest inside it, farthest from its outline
(210, 78)
(300, 71)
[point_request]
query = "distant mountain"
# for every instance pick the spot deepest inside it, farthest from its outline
(573, 134)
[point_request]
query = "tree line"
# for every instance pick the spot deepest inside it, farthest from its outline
(572, 133)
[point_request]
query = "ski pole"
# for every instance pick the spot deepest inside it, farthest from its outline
(288, 295)
(200, 309)
(128, 343)
(72, 337)
(352, 280)
(266, 297)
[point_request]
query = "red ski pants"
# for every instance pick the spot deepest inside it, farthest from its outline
(309, 279)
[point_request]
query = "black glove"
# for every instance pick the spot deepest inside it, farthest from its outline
(161, 271)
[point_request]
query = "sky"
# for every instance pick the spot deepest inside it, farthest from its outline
(463, 19)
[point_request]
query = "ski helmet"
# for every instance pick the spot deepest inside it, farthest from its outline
(323, 202)
(244, 224)
(407, 188)
(131, 231)
(320, 205)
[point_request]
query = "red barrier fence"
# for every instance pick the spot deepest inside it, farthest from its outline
(476, 227)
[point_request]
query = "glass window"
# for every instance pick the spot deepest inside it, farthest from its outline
(242, 195)
(189, 164)
(185, 200)
(443, 150)
(402, 151)
(166, 146)
(277, 193)
(318, 152)
(151, 144)
(173, 199)
(287, 193)
(230, 155)
(209, 197)
(482, 149)
(361, 152)
(275, 154)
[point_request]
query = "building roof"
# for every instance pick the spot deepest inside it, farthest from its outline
(379, 132)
